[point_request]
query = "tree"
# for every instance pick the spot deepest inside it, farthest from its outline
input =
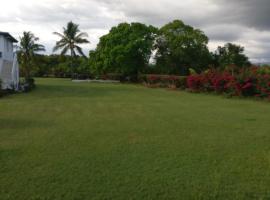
(180, 47)
(70, 40)
(27, 50)
(231, 54)
(126, 49)
(47, 65)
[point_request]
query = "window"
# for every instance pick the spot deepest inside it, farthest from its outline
(0, 54)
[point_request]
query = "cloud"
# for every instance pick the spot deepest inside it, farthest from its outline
(251, 13)
(243, 21)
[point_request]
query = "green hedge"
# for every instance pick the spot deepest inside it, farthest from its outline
(164, 81)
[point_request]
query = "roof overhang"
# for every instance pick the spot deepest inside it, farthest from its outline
(8, 36)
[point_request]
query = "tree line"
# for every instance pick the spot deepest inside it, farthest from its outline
(129, 49)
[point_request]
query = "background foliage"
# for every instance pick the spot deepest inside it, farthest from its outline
(129, 50)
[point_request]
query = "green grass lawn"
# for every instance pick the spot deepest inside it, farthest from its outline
(76, 141)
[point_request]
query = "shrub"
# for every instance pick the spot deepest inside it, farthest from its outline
(111, 76)
(164, 81)
(27, 85)
(254, 81)
(1, 91)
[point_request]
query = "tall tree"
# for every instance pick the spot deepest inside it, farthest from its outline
(231, 54)
(27, 50)
(70, 40)
(126, 49)
(180, 47)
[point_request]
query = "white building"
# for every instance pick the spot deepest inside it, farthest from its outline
(9, 69)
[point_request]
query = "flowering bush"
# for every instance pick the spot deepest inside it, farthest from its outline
(254, 81)
(246, 82)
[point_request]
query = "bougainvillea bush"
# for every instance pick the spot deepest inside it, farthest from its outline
(247, 82)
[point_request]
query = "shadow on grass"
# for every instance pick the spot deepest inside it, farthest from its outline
(81, 90)
(20, 124)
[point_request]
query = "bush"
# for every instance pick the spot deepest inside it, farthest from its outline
(111, 76)
(1, 91)
(164, 81)
(27, 85)
(254, 81)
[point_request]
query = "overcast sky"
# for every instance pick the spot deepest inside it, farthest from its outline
(244, 22)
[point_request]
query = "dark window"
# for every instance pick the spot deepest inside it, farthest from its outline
(0, 54)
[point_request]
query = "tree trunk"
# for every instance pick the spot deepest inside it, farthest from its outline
(27, 63)
(71, 63)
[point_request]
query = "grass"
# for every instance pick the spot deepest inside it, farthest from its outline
(110, 141)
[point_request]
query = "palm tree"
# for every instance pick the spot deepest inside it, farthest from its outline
(27, 50)
(70, 40)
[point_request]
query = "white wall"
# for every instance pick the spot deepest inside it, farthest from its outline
(6, 47)
(1, 64)
(2, 51)
(6, 61)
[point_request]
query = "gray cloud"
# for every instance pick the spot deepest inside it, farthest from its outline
(243, 21)
(252, 13)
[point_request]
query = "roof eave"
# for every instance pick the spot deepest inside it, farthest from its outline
(9, 37)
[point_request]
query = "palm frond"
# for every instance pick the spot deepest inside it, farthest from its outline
(59, 34)
(80, 51)
(65, 50)
(81, 41)
(69, 38)
(81, 35)
(59, 46)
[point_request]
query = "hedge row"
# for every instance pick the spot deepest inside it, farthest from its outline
(164, 81)
(250, 82)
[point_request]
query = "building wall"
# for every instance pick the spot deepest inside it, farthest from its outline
(1, 65)
(6, 62)
(1, 51)
(6, 47)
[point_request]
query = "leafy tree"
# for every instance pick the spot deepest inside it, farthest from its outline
(41, 66)
(231, 54)
(180, 47)
(70, 40)
(27, 50)
(58, 66)
(126, 49)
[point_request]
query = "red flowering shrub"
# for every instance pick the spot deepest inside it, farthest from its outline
(254, 81)
(247, 82)
(210, 81)
(194, 83)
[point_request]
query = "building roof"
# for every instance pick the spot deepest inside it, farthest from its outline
(8, 36)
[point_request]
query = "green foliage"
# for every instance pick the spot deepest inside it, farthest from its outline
(180, 46)
(231, 54)
(27, 53)
(163, 81)
(1, 91)
(27, 84)
(59, 66)
(126, 49)
(70, 40)
(132, 49)
(265, 70)
(192, 71)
